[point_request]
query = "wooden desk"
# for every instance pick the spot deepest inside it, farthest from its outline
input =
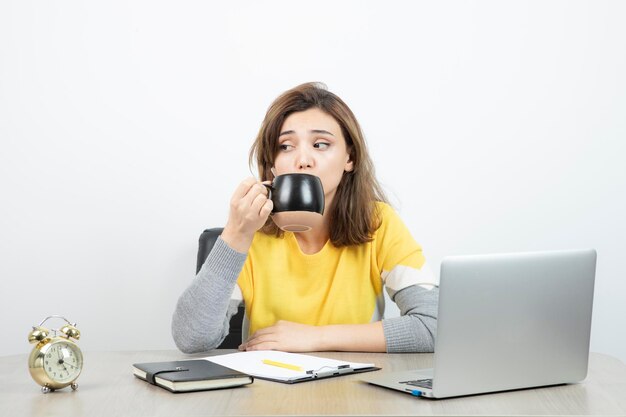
(107, 388)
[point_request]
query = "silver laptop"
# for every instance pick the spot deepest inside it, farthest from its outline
(506, 322)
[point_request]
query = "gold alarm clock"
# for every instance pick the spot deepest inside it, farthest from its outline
(56, 361)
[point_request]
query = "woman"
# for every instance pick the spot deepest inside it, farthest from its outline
(322, 289)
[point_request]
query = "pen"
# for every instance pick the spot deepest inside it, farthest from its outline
(282, 365)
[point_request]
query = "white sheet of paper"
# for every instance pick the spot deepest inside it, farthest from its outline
(252, 363)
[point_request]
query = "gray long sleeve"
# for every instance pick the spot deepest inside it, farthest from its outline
(415, 329)
(202, 315)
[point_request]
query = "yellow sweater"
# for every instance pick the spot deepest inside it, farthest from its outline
(334, 286)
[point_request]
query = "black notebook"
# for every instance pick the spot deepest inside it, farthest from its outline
(193, 375)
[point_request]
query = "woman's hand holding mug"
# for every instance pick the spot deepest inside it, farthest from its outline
(249, 210)
(296, 204)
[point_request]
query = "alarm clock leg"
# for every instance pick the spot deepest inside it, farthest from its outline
(46, 389)
(74, 386)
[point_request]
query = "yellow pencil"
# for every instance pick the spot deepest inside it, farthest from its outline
(282, 365)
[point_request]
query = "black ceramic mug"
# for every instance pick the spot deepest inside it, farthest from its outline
(298, 201)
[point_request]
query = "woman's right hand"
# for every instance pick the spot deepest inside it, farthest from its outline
(249, 210)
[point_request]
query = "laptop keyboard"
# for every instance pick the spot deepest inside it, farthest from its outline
(422, 383)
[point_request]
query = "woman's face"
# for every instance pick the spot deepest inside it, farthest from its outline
(311, 142)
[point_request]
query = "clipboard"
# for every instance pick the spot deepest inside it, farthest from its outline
(293, 368)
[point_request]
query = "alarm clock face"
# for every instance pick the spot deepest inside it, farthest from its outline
(62, 361)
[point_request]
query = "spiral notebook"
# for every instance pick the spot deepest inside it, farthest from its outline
(287, 367)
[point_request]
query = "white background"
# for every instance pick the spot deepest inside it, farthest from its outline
(125, 125)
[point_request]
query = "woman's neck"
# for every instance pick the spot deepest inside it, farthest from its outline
(313, 241)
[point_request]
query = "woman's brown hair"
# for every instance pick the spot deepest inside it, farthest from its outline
(353, 218)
